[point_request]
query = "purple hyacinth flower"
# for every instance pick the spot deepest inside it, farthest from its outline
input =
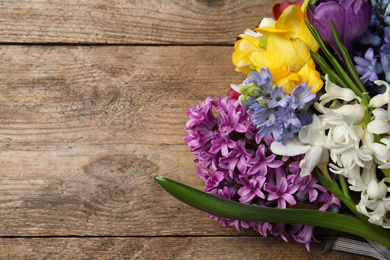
(308, 187)
(282, 193)
(367, 67)
(251, 188)
(305, 236)
(385, 60)
(330, 202)
(301, 96)
(222, 143)
(279, 99)
(351, 18)
(262, 79)
(212, 179)
(231, 121)
(261, 162)
(238, 159)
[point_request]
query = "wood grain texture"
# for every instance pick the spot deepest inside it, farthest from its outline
(169, 248)
(84, 130)
(107, 94)
(93, 100)
(129, 22)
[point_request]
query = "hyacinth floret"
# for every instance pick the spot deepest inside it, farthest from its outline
(372, 54)
(368, 67)
(273, 111)
(236, 164)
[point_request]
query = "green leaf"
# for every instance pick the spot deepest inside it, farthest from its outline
(334, 77)
(239, 211)
(345, 80)
(348, 61)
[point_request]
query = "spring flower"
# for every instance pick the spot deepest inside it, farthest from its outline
(385, 60)
(301, 96)
(241, 167)
(380, 123)
(367, 67)
(312, 143)
(335, 92)
(381, 12)
(289, 62)
(251, 188)
(305, 236)
(273, 111)
(308, 187)
(351, 18)
(260, 163)
(291, 25)
(281, 193)
(248, 43)
(212, 179)
(279, 99)
(375, 204)
(238, 159)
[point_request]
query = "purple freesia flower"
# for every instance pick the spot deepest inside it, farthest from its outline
(351, 18)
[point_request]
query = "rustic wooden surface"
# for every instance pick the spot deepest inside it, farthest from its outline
(93, 99)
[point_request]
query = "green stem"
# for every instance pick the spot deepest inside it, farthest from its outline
(335, 63)
(334, 77)
(239, 211)
(348, 61)
(344, 186)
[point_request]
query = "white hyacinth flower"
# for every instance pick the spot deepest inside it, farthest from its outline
(374, 203)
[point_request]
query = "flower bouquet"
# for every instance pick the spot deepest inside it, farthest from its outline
(308, 126)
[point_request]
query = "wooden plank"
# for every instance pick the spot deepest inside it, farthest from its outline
(129, 22)
(83, 130)
(98, 190)
(106, 94)
(202, 248)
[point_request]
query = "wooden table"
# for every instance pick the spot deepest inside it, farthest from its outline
(93, 100)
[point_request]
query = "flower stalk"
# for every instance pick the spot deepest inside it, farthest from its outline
(343, 78)
(348, 62)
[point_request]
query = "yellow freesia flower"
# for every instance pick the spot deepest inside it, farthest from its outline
(249, 42)
(243, 50)
(289, 62)
(291, 25)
